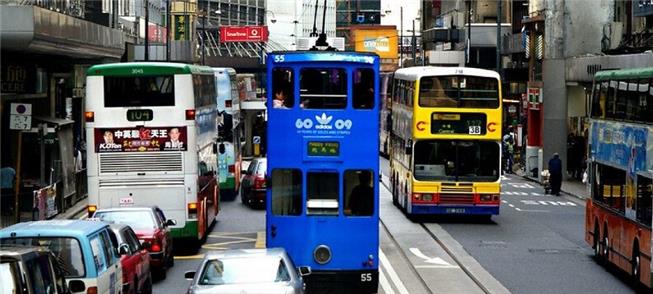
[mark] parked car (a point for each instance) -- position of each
(151, 227)
(29, 270)
(134, 259)
(252, 186)
(249, 271)
(85, 251)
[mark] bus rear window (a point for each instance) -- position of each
(139, 91)
(459, 91)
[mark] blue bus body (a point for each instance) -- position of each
(321, 149)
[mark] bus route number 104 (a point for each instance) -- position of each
(366, 277)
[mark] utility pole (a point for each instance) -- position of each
(401, 36)
(499, 14)
(413, 42)
(469, 32)
(203, 36)
(147, 30)
(167, 30)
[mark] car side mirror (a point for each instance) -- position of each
(123, 249)
(304, 271)
(171, 222)
(76, 286)
(146, 245)
(189, 275)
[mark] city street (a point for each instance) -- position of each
(535, 245)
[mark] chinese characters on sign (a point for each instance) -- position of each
(140, 139)
(181, 27)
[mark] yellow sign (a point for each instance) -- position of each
(380, 41)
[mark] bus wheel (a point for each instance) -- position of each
(596, 244)
(636, 265)
(605, 248)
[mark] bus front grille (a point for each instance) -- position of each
(456, 198)
(140, 162)
(456, 189)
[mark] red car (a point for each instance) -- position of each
(252, 186)
(151, 227)
(134, 259)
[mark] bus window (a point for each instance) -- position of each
(282, 88)
(322, 193)
(359, 192)
(139, 91)
(610, 186)
(438, 160)
(596, 105)
(479, 92)
(610, 104)
(632, 101)
(644, 193)
(363, 89)
(438, 92)
(323, 88)
(647, 103)
(286, 192)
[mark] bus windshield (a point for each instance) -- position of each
(139, 91)
(453, 160)
(459, 91)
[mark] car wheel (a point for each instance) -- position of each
(134, 287)
(147, 286)
(596, 244)
(171, 260)
(242, 195)
(605, 248)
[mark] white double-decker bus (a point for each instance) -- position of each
(151, 130)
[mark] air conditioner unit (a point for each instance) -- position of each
(306, 43)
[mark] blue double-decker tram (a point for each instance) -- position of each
(323, 146)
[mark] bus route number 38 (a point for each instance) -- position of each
(474, 130)
(367, 277)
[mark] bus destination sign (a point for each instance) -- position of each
(140, 139)
(458, 123)
(323, 148)
(139, 115)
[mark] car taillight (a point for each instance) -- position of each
(89, 116)
(232, 168)
(190, 114)
(489, 197)
(424, 197)
(259, 183)
(91, 290)
(192, 210)
(155, 247)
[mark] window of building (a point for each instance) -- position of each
(322, 191)
(323, 88)
(363, 96)
(644, 194)
(359, 192)
(282, 88)
(286, 192)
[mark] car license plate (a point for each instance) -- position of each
(126, 201)
(455, 210)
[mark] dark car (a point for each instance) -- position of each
(30, 270)
(252, 186)
(151, 227)
(134, 259)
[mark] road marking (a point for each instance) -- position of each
(384, 283)
(530, 210)
(548, 202)
(522, 185)
(391, 272)
(511, 205)
(198, 256)
(437, 266)
(214, 246)
(436, 261)
(260, 240)
(504, 201)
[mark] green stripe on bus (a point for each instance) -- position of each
(229, 184)
(634, 73)
(146, 69)
(188, 231)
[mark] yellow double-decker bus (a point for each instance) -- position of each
(446, 141)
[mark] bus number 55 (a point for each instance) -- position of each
(366, 277)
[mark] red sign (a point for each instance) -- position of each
(156, 33)
(244, 34)
(140, 139)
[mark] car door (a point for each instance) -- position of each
(248, 180)
(138, 254)
(109, 279)
(129, 261)
(163, 231)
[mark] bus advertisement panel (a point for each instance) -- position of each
(229, 137)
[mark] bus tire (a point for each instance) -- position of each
(636, 264)
(605, 247)
(596, 243)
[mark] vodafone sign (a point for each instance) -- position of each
(244, 34)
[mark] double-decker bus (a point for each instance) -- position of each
(152, 130)
(385, 111)
(446, 141)
(229, 137)
(323, 147)
(618, 214)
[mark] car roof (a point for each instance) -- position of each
(249, 253)
(53, 228)
(129, 208)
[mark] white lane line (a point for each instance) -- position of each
(517, 208)
(391, 272)
(511, 205)
(504, 201)
(384, 283)
(437, 266)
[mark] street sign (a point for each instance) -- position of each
(244, 34)
(20, 117)
(256, 139)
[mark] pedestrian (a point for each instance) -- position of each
(555, 170)
(509, 148)
(7, 179)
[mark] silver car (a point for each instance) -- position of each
(248, 271)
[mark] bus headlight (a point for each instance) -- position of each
(322, 254)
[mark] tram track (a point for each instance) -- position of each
(464, 266)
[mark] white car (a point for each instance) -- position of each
(248, 271)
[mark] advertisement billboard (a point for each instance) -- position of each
(244, 34)
(382, 41)
(140, 139)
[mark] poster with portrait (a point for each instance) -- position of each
(140, 139)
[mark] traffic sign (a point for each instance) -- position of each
(20, 117)
(256, 139)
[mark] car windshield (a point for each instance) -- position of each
(136, 219)
(244, 271)
(67, 252)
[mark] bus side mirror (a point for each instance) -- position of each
(221, 148)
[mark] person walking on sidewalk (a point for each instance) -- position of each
(555, 171)
(509, 144)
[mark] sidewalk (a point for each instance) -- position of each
(74, 210)
(573, 188)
